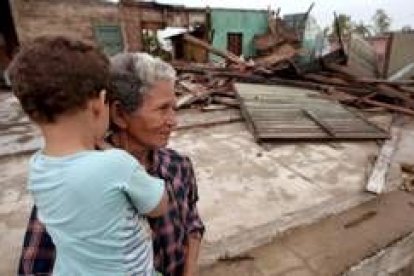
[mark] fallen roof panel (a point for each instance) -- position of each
(281, 112)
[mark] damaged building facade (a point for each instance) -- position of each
(115, 27)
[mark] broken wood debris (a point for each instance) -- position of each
(336, 75)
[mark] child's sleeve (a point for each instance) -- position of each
(144, 191)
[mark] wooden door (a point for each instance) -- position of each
(235, 43)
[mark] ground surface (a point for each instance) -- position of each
(249, 194)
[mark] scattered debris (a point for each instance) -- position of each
(408, 184)
(407, 168)
(408, 178)
(238, 258)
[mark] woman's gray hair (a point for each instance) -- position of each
(133, 74)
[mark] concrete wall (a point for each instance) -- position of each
(67, 17)
(247, 22)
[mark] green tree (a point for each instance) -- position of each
(381, 21)
(344, 23)
(407, 29)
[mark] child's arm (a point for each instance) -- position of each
(161, 208)
(146, 193)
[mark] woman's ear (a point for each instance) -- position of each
(117, 115)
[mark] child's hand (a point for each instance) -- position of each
(103, 145)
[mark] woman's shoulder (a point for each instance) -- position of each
(169, 157)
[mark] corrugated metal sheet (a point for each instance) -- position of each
(280, 112)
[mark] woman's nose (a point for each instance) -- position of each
(172, 119)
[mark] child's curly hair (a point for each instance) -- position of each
(57, 75)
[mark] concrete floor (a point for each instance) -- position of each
(249, 194)
(17, 134)
(335, 244)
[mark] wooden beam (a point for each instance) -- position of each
(185, 100)
(383, 89)
(377, 179)
(389, 82)
(347, 98)
(282, 53)
(224, 54)
(226, 101)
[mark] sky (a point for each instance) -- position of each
(400, 11)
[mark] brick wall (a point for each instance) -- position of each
(131, 22)
(67, 17)
(77, 18)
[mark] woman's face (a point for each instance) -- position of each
(151, 125)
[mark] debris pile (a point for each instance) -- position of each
(334, 79)
(345, 72)
(205, 92)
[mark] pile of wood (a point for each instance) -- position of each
(279, 46)
(212, 88)
(205, 92)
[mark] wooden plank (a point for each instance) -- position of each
(224, 54)
(344, 97)
(377, 179)
(382, 89)
(282, 53)
(320, 122)
(231, 102)
(185, 100)
(389, 82)
(206, 119)
(214, 107)
(210, 123)
(249, 121)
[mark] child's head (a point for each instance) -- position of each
(56, 77)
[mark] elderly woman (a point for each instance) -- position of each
(142, 119)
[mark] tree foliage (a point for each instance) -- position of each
(381, 22)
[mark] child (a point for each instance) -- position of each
(91, 202)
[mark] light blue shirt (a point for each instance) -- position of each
(92, 204)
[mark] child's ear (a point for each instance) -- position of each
(102, 97)
(98, 104)
(117, 115)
